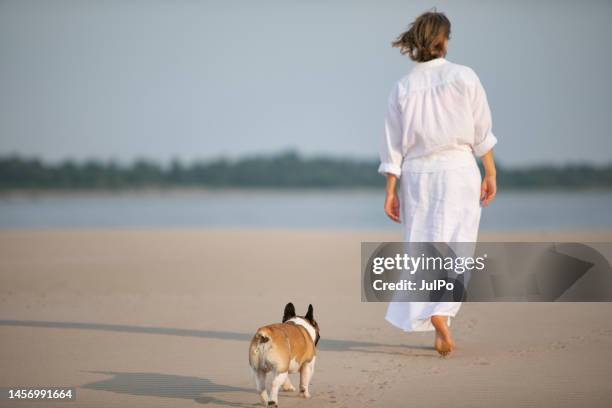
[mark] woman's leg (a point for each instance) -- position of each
(444, 343)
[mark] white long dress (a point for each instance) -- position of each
(437, 119)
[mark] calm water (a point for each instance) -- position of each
(296, 209)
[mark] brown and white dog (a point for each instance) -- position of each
(283, 348)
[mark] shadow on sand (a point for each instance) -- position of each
(194, 388)
(166, 386)
(324, 344)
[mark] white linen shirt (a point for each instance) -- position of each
(438, 107)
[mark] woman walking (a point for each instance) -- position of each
(437, 119)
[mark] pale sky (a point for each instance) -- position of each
(201, 79)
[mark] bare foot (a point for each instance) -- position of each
(443, 343)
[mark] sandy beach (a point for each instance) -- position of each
(158, 318)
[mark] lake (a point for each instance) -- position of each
(311, 209)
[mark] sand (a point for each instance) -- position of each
(155, 318)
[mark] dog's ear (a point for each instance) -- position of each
(310, 313)
(289, 312)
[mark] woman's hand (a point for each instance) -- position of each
(392, 204)
(488, 189)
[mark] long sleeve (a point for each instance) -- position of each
(391, 155)
(484, 139)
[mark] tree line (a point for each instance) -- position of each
(282, 170)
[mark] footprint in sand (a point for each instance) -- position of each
(331, 397)
(434, 370)
(557, 345)
(522, 353)
(578, 338)
(481, 361)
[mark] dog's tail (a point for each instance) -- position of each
(257, 351)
